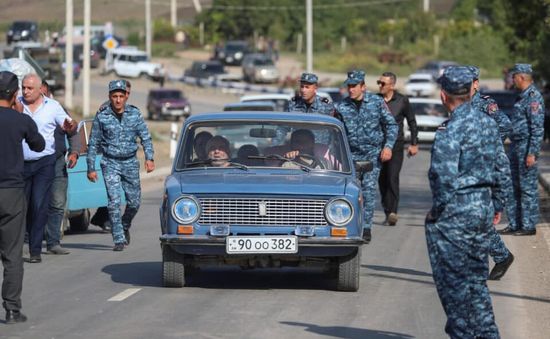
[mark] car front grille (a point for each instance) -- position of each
(262, 212)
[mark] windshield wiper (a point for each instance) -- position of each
(210, 161)
(281, 158)
(238, 165)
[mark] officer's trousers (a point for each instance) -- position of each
(458, 249)
(121, 175)
(368, 188)
(497, 248)
(13, 210)
(523, 204)
(388, 182)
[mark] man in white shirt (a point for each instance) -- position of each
(39, 168)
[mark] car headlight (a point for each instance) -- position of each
(238, 55)
(338, 212)
(186, 210)
(24, 33)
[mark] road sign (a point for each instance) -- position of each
(110, 43)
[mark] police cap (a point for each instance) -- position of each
(355, 77)
(117, 85)
(521, 68)
(309, 78)
(456, 80)
(8, 82)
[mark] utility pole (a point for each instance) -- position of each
(148, 31)
(173, 13)
(197, 5)
(309, 36)
(69, 54)
(426, 6)
(86, 61)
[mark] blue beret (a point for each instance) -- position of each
(310, 78)
(475, 71)
(521, 68)
(117, 85)
(355, 77)
(456, 80)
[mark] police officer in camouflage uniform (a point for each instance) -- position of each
(527, 119)
(468, 173)
(372, 132)
(308, 101)
(114, 131)
(484, 103)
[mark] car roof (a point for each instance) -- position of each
(265, 116)
(269, 96)
(209, 62)
(128, 50)
(417, 100)
(421, 76)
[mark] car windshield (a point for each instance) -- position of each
(167, 95)
(417, 80)
(430, 109)
(320, 147)
(235, 47)
(21, 25)
(263, 62)
(214, 68)
(138, 58)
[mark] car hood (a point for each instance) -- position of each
(249, 182)
(427, 120)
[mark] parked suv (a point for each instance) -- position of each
(130, 62)
(163, 102)
(255, 208)
(22, 31)
(259, 68)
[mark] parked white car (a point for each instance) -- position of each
(130, 62)
(279, 99)
(420, 85)
(430, 114)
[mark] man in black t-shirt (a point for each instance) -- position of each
(14, 128)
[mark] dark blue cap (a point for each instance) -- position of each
(355, 77)
(310, 78)
(521, 68)
(117, 85)
(456, 80)
(8, 82)
(475, 71)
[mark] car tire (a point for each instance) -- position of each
(80, 222)
(348, 268)
(173, 270)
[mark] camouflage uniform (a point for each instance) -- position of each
(484, 103)
(463, 209)
(117, 139)
(370, 126)
(528, 128)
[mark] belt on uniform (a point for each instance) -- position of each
(119, 157)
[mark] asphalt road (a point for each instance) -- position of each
(97, 293)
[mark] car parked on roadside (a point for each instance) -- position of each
(211, 69)
(167, 103)
(259, 68)
(420, 85)
(128, 61)
(430, 114)
(22, 31)
(259, 209)
(435, 68)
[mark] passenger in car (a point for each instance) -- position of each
(245, 151)
(218, 151)
(199, 145)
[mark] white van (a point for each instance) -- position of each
(130, 62)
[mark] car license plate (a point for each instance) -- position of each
(261, 244)
(176, 112)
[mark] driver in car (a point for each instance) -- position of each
(219, 151)
(302, 144)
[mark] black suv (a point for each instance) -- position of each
(22, 31)
(233, 52)
(205, 69)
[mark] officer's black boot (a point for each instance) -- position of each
(500, 268)
(13, 317)
(367, 236)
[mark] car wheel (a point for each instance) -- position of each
(348, 272)
(80, 222)
(173, 270)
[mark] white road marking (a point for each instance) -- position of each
(125, 294)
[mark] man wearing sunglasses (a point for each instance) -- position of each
(388, 182)
(371, 131)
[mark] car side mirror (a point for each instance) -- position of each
(363, 166)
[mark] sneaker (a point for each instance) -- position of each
(34, 259)
(500, 268)
(118, 247)
(127, 235)
(13, 317)
(57, 249)
(367, 235)
(392, 219)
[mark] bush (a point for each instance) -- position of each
(163, 49)
(163, 30)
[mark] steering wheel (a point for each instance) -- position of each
(316, 162)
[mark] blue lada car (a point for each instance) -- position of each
(262, 189)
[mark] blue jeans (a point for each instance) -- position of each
(56, 210)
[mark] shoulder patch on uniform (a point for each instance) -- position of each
(535, 107)
(492, 108)
(532, 93)
(325, 100)
(483, 96)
